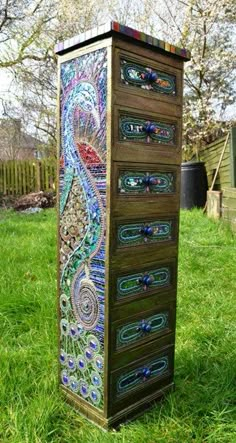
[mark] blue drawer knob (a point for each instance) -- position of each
(146, 373)
(148, 180)
(146, 230)
(146, 280)
(145, 327)
(150, 76)
(149, 128)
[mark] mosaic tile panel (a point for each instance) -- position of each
(82, 224)
(144, 77)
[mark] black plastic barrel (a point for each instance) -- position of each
(193, 185)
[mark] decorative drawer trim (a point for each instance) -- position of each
(153, 369)
(146, 182)
(143, 282)
(140, 129)
(137, 330)
(145, 77)
(140, 233)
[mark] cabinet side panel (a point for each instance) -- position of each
(82, 206)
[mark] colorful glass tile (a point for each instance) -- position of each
(114, 26)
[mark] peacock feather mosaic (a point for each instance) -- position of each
(82, 224)
(144, 77)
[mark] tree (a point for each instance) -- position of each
(206, 28)
(30, 29)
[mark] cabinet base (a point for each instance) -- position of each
(127, 414)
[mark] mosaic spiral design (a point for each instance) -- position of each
(82, 224)
(86, 305)
(133, 128)
(138, 75)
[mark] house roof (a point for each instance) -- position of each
(13, 128)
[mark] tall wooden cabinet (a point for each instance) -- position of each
(120, 119)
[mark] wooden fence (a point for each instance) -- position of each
(229, 206)
(24, 176)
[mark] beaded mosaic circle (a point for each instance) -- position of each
(85, 303)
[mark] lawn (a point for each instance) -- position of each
(203, 407)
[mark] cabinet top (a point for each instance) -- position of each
(115, 28)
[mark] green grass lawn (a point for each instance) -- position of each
(203, 407)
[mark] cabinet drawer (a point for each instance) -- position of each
(142, 75)
(143, 239)
(141, 282)
(144, 129)
(144, 232)
(145, 134)
(145, 189)
(143, 181)
(143, 377)
(143, 328)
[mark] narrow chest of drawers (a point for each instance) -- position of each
(120, 129)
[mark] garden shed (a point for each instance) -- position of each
(226, 177)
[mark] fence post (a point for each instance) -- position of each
(37, 175)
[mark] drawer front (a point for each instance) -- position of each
(131, 379)
(134, 332)
(142, 375)
(144, 327)
(143, 282)
(144, 190)
(145, 232)
(146, 182)
(142, 75)
(147, 130)
(153, 78)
